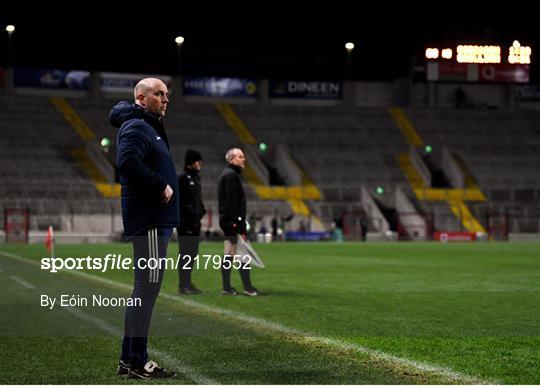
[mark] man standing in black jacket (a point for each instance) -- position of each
(232, 219)
(149, 213)
(191, 212)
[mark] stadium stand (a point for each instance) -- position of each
(39, 172)
(342, 149)
(501, 149)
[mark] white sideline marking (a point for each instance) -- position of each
(22, 282)
(332, 342)
(280, 328)
(169, 359)
(166, 357)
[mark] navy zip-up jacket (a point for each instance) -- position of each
(146, 167)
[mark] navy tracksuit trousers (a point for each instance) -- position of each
(148, 247)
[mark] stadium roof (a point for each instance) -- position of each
(257, 39)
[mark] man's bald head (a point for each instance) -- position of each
(235, 157)
(145, 85)
(152, 94)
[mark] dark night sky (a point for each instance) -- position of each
(256, 39)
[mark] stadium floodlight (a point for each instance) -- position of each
(379, 190)
(428, 149)
(263, 146)
(179, 40)
(349, 47)
(10, 28)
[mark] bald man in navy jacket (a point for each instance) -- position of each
(149, 213)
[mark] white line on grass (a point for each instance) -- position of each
(280, 328)
(22, 282)
(167, 358)
(331, 342)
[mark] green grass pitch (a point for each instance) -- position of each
(352, 313)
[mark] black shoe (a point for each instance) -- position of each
(194, 290)
(123, 368)
(229, 291)
(251, 292)
(151, 370)
(189, 291)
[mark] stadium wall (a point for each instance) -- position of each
(401, 92)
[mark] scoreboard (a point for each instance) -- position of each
(479, 63)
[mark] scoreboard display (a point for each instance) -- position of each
(479, 63)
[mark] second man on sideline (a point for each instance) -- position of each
(232, 219)
(191, 212)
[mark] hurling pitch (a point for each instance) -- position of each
(331, 313)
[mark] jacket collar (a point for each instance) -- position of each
(191, 171)
(236, 169)
(154, 121)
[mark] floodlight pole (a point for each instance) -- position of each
(348, 87)
(349, 47)
(179, 40)
(10, 73)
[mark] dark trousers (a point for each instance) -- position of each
(230, 249)
(188, 248)
(148, 248)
